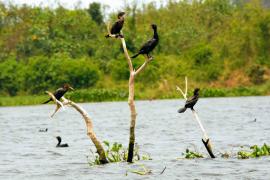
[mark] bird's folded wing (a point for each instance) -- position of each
(148, 45)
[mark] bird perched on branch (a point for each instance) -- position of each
(191, 101)
(60, 92)
(117, 26)
(59, 142)
(149, 45)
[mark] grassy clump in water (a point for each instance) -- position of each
(255, 152)
(117, 153)
(191, 154)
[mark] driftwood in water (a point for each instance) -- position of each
(205, 139)
(88, 122)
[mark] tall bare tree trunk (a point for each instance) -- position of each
(131, 103)
(133, 116)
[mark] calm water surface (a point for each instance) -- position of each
(26, 153)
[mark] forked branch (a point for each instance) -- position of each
(88, 122)
(131, 103)
(179, 89)
(206, 140)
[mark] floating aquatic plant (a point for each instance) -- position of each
(141, 171)
(192, 154)
(255, 152)
(117, 153)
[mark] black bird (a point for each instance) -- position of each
(59, 142)
(150, 44)
(117, 26)
(43, 130)
(191, 101)
(60, 92)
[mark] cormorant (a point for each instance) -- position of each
(59, 142)
(149, 45)
(191, 101)
(60, 92)
(117, 26)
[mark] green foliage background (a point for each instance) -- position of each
(223, 47)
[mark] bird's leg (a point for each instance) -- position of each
(120, 36)
(150, 57)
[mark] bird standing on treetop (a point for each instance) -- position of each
(60, 92)
(117, 26)
(191, 101)
(149, 45)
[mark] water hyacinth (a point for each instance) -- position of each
(117, 153)
(255, 153)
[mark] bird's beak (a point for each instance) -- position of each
(71, 88)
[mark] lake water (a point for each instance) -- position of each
(26, 153)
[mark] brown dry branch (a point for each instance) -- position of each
(88, 122)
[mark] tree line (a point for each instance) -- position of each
(219, 43)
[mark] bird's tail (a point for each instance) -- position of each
(107, 36)
(46, 101)
(134, 56)
(181, 110)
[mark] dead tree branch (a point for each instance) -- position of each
(133, 74)
(205, 139)
(88, 122)
(131, 103)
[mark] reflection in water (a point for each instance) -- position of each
(26, 153)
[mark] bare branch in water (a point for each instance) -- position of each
(206, 140)
(88, 122)
(131, 103)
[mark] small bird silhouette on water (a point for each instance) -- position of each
(149, 45)
(117, 26)
(59, 142)
(60, 92)
(43, 130)
(191, 101)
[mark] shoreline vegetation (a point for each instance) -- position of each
(222, 46)
(111, 95)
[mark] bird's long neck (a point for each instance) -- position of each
(59, 141)
(155, 34)
(65, 90)
(121, 20)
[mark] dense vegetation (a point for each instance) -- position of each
(220, 45)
